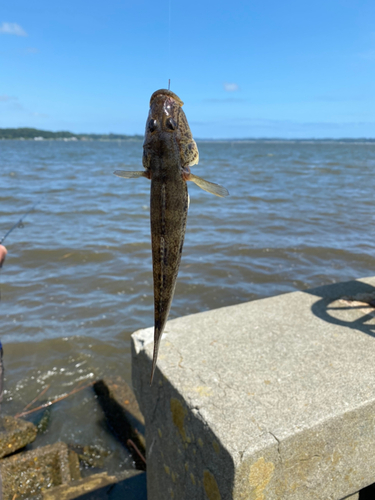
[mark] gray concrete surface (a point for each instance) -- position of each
(268, 400)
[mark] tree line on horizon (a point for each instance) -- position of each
(32, 133)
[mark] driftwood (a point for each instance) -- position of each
(49, 403)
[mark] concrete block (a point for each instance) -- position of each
(123, 414)
(75, 471)
(352, 497)
(30, 473)
(271, 399)
(98, 487)
(15, 433)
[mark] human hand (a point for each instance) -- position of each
(3, 253)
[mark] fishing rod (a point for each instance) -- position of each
(18, 223)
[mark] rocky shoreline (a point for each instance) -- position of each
(54, 472)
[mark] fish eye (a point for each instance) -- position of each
(171, 124)
(152, 125)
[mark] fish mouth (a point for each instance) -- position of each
(167, 93)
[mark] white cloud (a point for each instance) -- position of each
(12, 29)
(6, 98)
(231, 87)
(39, 115)
(12, 106)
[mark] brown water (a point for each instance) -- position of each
(77, 281)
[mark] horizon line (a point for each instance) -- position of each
(140, 136)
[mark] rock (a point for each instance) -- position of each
(15, 433)
(272, 399)
(44, 420)
(123, 414)
(92, 456)
(130, 485)
(30, 473)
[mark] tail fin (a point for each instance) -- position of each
(155, 355)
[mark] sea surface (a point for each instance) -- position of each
(78, 280)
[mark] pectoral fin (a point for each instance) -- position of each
(210, 187)
(131, 175)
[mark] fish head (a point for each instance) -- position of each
(167, 129)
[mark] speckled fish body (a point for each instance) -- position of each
(168, 151)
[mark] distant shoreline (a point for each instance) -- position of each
(290, 141)
(34, 134)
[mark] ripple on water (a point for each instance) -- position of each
(78, 281)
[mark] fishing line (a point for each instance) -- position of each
(169, 39)
(19, 223)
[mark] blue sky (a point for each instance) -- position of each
(244, 69)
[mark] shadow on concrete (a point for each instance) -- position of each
(325, 308)
(191, 467)
(367, 493)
